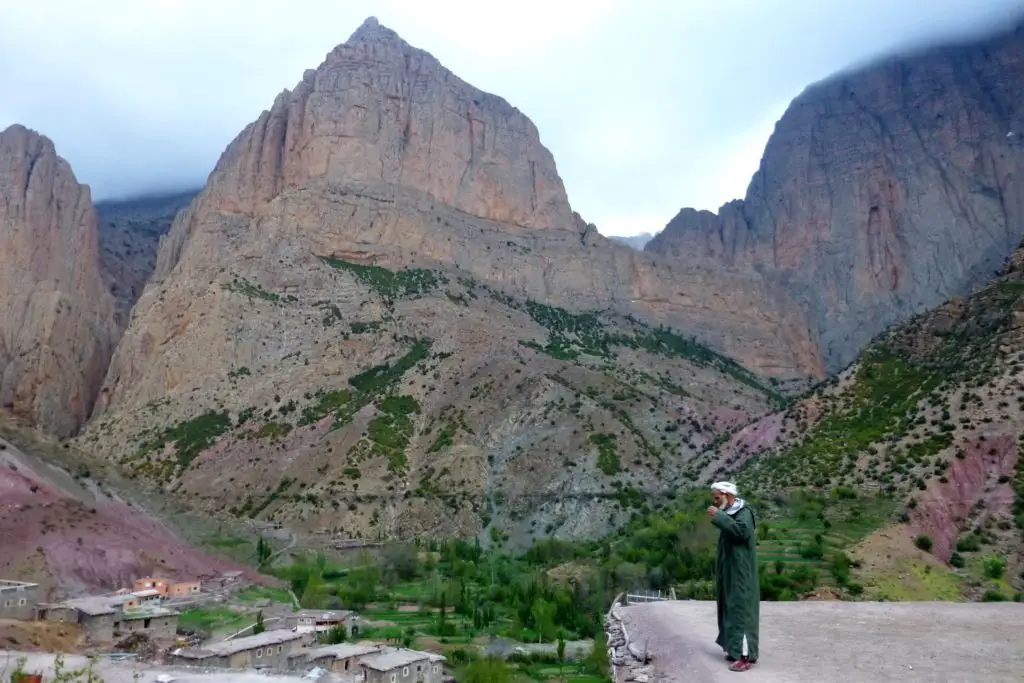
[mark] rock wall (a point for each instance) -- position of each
(57, 330)
(881, 193)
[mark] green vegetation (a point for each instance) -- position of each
(389, 433)
(607, 453)
(190, 438)
(253, 291)
(882, 405)
(572, 334)
(390, 284)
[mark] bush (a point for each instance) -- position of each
(969, 543)
(924, 542)
(956, 560)
(994, 567)
(993, 595)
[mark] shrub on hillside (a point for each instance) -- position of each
(924, 542)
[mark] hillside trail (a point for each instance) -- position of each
(838, 642)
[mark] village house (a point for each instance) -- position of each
(339, 659)
(400, 665)
(108, 618)
(321, 621)
(166, 588)
(18, 599)
(267, 650)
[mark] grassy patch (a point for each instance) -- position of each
(254, 291)
(882, 404)
(389, 433)
(190, 438)
(390, 284)
(607, 453)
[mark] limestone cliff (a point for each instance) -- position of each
(130, 232)
(882, 192)
(381, 316)
(56, 318)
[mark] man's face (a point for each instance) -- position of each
(721, 500)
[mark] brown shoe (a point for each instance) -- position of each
(741, 664)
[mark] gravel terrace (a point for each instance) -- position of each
(839, 641)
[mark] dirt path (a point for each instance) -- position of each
(840, 641)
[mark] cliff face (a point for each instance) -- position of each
(881, 193)
(56, 318)
(381, 315)
(130, 232)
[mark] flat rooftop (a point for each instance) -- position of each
(230, 647)
(838, 641)
(342, 651)
(7, 585)
(386, 661)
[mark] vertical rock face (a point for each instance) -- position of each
(380, 112)
(882, 192)
(383, 155)
(56, 319)
(130, 232)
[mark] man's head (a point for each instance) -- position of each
(723, 493)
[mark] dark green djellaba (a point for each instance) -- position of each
(737, 589)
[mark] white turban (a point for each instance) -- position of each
(725, 487)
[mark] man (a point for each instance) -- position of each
(737, 590)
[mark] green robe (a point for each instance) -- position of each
(737, 590)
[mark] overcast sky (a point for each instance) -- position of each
(647, 105)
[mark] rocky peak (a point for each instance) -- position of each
(56, 318)
(379, 114)
(882, 191)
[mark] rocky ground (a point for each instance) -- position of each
(63, 529)
(127, 672)
(836, 641)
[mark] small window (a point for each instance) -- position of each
(7, 603)
(22, 601)
(436, 667)
(405, 672)
(259, 652)
(394, 677)
(280, 648)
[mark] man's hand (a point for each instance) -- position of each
(712, 511)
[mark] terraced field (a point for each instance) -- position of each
(817, 539)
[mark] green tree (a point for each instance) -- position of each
(335, 635)
(596, 662)
(259, 627)
(490, 670)
(263, 551)
(561, 654)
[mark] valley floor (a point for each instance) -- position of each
(839, 641)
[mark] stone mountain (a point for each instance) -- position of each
(882, 192)
(57, 328)
(381, 317)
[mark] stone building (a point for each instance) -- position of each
(18, 599)
(166, 588)
(267, 650)
(107, 619)
(399, 665)
(341, 659)
(321, 621)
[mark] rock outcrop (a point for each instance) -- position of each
(56, 318)
(881, 193)
(381, 315)
(130, 232)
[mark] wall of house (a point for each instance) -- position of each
(99, 628)
(182, 590)
(157, 628)
(269, 656)
(18, 602)
(408, 674)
